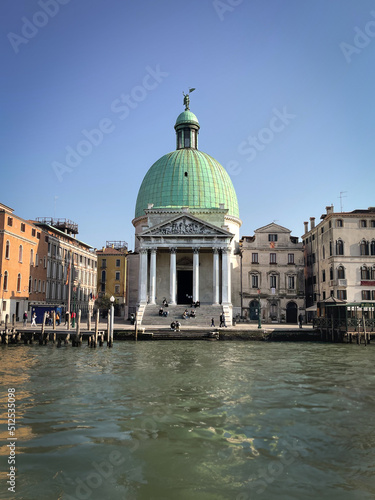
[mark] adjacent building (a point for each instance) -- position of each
(272, 275)
(23, 268)
(112, 272)
(340, 257)
(71, 266)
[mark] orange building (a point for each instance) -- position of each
(23, 266)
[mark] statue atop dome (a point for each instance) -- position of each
(187, 99)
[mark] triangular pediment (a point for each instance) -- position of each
(185, 225)
(272, 228)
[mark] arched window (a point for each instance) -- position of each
(330, 248)
(365, 273)
(372, 247)
(35, 285)
(341, 273)
(31, 257)
(5, 282)
(331, 273)
(19, 282)
(20, 253)
(103, 276)
(373, 273)
(324, 252)
(30, 284)
(364, 247)
(7, 249)
(339, 247)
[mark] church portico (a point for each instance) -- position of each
(184, 268)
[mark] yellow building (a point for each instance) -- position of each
(112, 273)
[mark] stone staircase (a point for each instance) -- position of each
(204, 313)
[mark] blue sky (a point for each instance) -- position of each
(284, 96)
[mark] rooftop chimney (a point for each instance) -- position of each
(312, 222)
(329, 210)
(306, 224)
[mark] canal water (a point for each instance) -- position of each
(191, 421)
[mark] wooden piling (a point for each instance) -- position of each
(96, 326)
(108, 327)
(78, 339)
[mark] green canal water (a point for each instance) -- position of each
(190, 421)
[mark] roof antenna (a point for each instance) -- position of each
(342, 195)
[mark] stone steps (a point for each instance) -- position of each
(204, 313)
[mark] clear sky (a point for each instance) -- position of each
(284, 96)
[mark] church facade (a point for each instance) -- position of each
(186, 229)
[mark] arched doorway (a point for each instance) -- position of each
(291, 312)
(254, 310)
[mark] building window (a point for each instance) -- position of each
(39, 286)
(339, 223)
(291, 283)
(104, 263)
(19, 282)
(322, 230)
(20, 253)
(5, 281)
(254, 281)
(117, 276)
(272, 258)
(339, 247)
(365, 273)
(23, 227)
(366, 294)
(36, 260)
(290, 258)
(35, 285)
(341, 294)
(104, 276)
(272, 237)
(7, 249)
(363, 223)
(38, 236)
(254, 258)
(372, 223)
(10, 221)
(102, 288)
(273, 281)
(118, 263)
(44, 262)
(331, 273)
(30, 284)
(323, 276)
(31, 257)
(364, 247)
(324, 252)
(330, 248)
(324, 295)
(372, 247)
(33, 232)
(341, 273)
(117, 288)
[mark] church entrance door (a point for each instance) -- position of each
(184, 287)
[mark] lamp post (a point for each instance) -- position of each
(112, 299)
(74, 306)
(259, 311)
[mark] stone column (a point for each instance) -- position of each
(225, 280)
(173, 276)
(216, 276)
(152, 277)
(195, 274)
(142, 283)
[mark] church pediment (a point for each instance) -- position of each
(185, 225)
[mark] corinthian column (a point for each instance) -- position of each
(216, 276)
(152, 276)
(225, 277)
(172, 276)
(196, 274)
(142, 283)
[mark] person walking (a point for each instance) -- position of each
(300, 319)
(24, 318)
(213, 322)
(33, 320)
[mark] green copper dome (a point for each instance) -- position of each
(187, 178)
(187, 117)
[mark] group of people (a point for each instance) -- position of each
(175, 325)
(163, 313)
(186, 314)
(222, 321)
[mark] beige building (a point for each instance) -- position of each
(340, 257)
(112, 273)
(272, 273)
